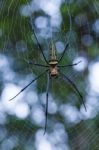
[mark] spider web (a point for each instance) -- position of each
(22, 120)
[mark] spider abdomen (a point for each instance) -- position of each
(53, 68)
(53, 71)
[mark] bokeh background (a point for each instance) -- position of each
(22, 120)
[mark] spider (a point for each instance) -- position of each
(53, 70)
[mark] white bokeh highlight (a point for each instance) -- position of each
(96, 26)
(94, 76)
(82, 65)
(70, 113)
(37, 115)
(39, 20)
(22, 110)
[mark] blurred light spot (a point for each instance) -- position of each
(59, 142)
(4, 63)
(59, 134)
(70, 113)
(56, 20)
(60, 47)
(8, 144)
(34, 4)
(44, 145)
(2, 117)
(39, 135)
(25, 10)
(1, 106)
(5, 67)
(96, 26)
(82, 65)
(41, 142)
(32, 97)
(87, 40)
(50, 6)
(41, 22)
(22, 110)
(21, 46)
(8, 76)
(38, 115)
(92, 100)
(46, 33)
(52, 107)
(81, 19)
(92, 103)
(3, 133)
(10, 91)
(89, 114)
(94, 76)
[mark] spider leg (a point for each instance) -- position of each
(35, 64)
(70, 23)
(47, 93)
(40, 48)
(69, 65)
(27, 86)
(66, 46)
(74, 86)
(38, 64)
